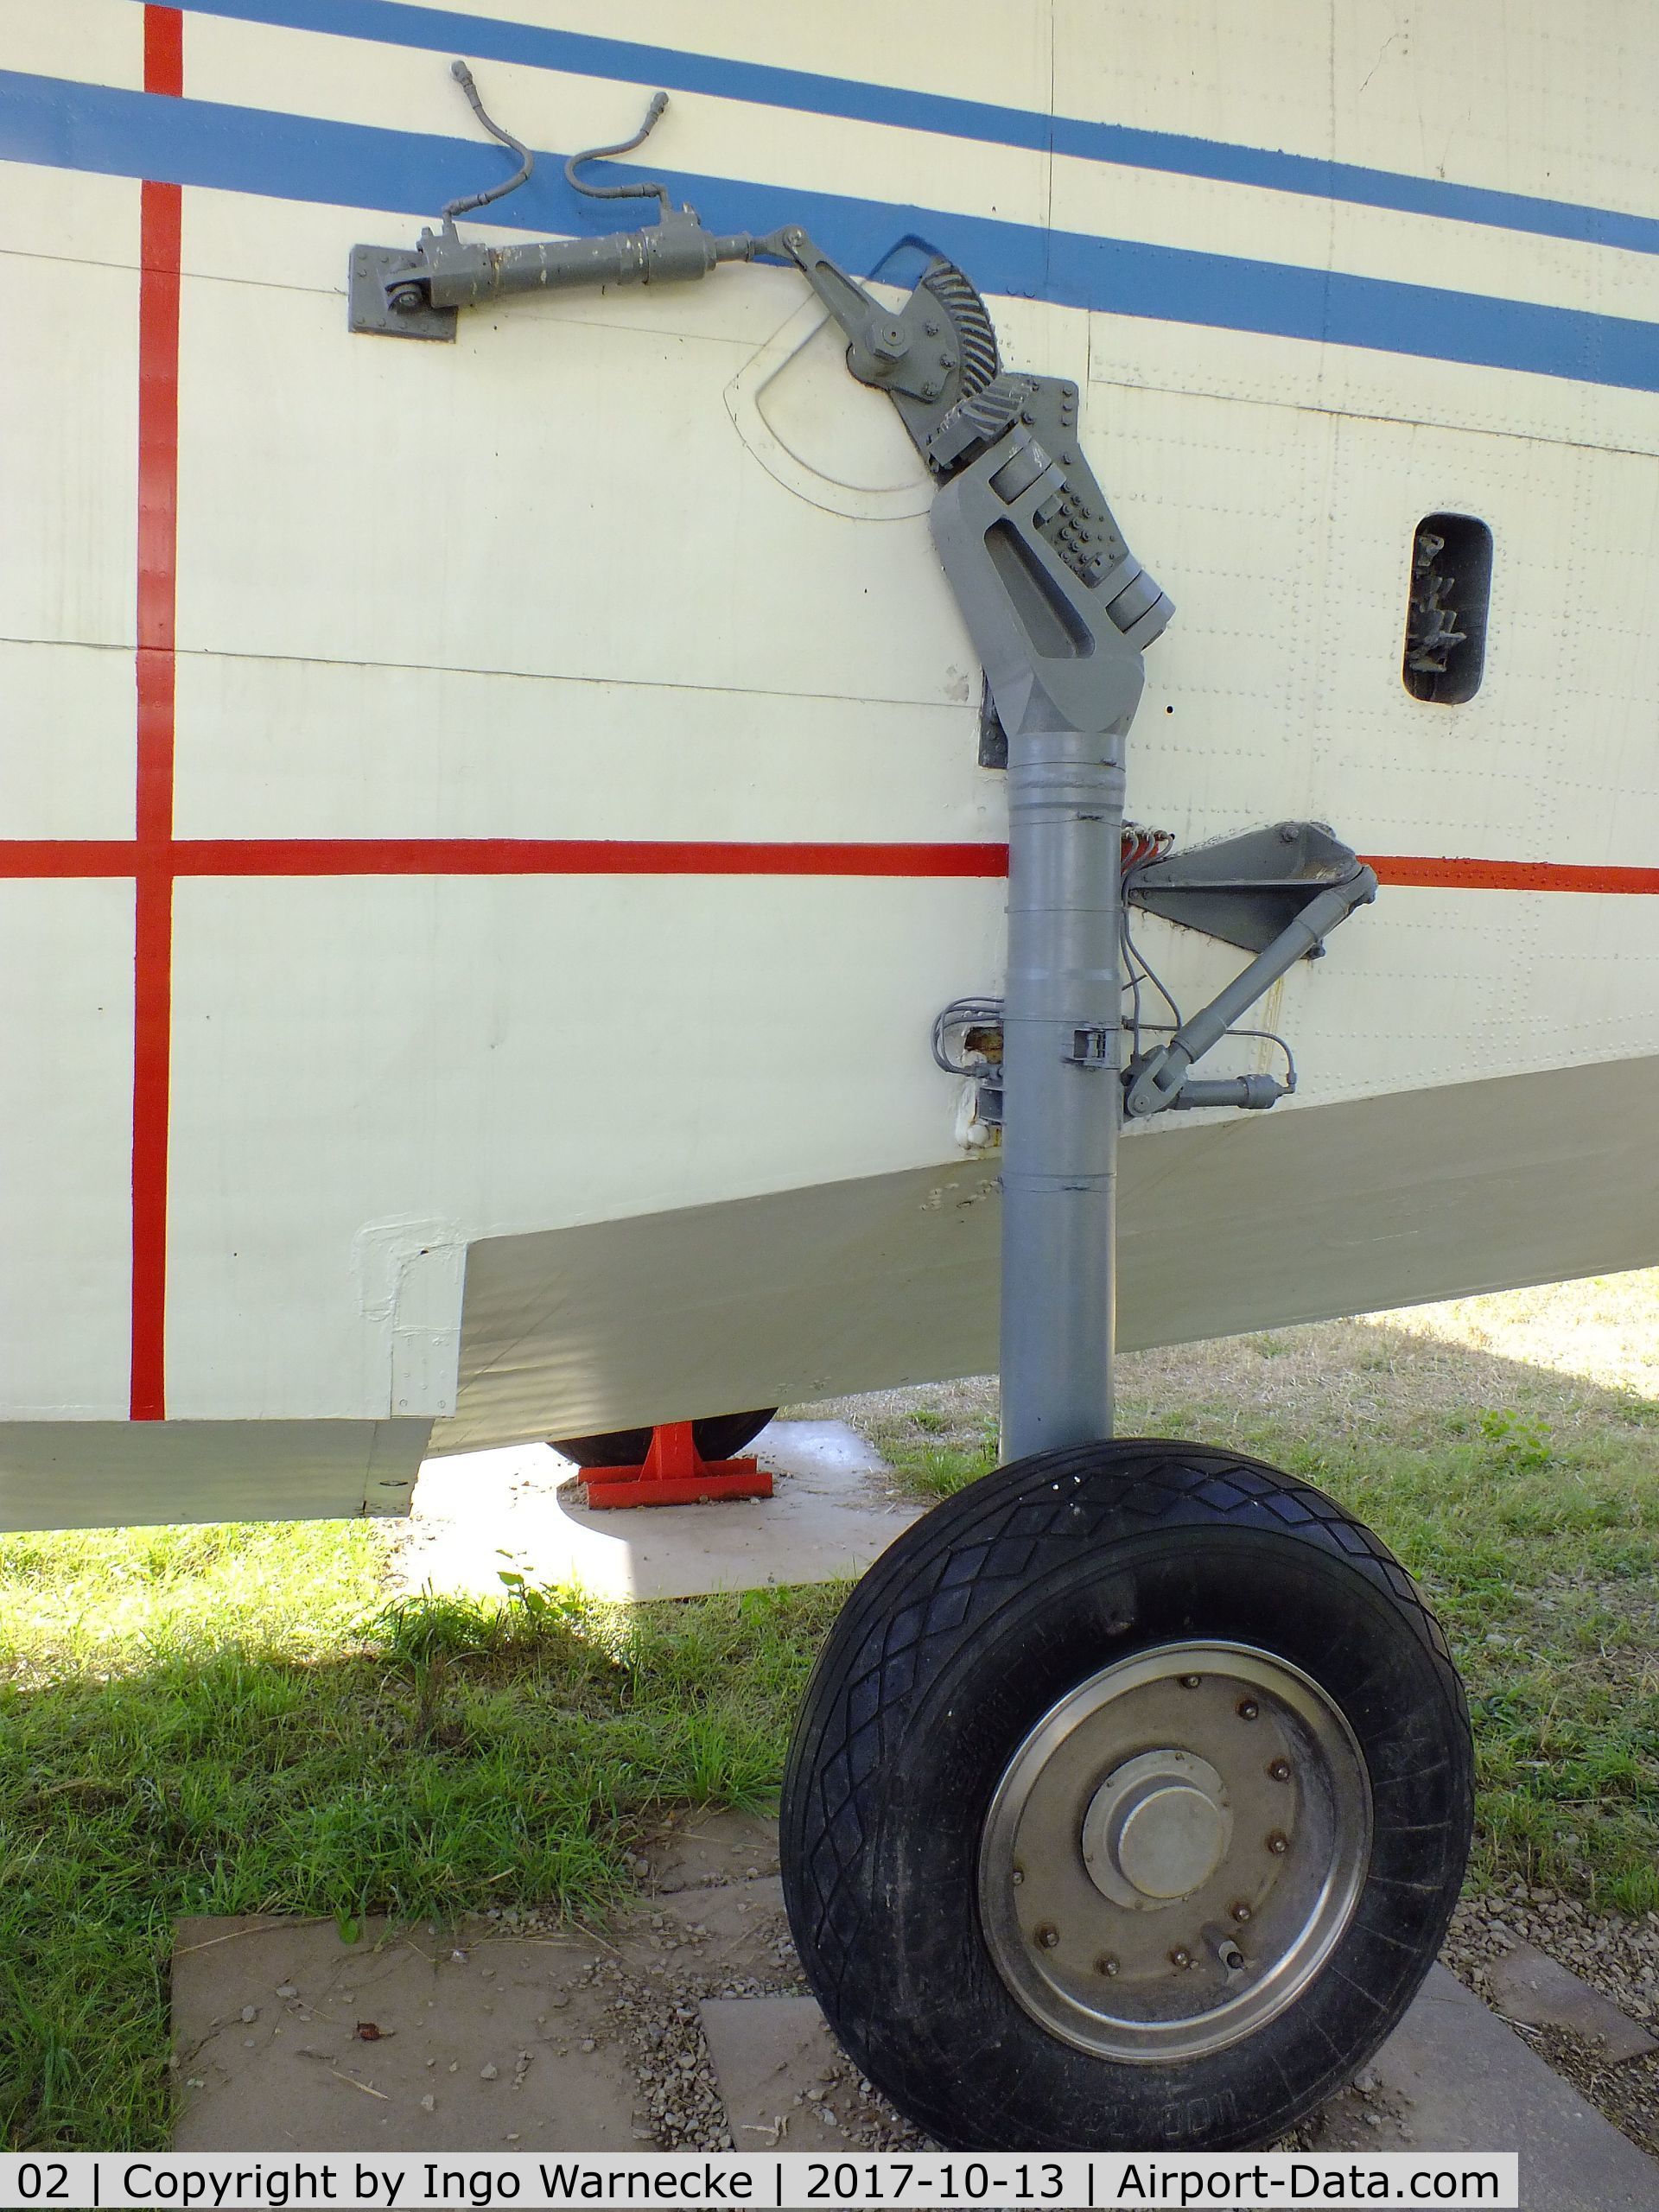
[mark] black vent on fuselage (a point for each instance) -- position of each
(1445, 612)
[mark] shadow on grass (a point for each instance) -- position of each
(425, 1758)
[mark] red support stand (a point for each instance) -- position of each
(673, 1475)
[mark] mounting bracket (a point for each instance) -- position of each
(1278, 891)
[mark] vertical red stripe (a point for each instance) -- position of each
(157, 545)
(164, 51)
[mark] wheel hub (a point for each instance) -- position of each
(1173, 1851)
(1156, 1829)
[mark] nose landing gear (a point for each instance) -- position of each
(1128, 1807)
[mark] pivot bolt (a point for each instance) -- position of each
(404, 299)
(1247, 1708)
(1180, 1958)
(1106, 1966)
(1280, 1770)
(1241, 1911)
(1191, 1681)
(1048, 1935)
(1278, 1843)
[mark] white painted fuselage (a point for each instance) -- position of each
(486, 829)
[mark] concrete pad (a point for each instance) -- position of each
(735, 1935)
(494, 2044)
(1454, 2077)
(777, 2063)
(785, 2084)
(476, 1513)
(480, 2044)
(1529, 1985)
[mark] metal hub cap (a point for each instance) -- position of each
(1173, 1852)
(1156, 1829)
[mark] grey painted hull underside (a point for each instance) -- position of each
(1252, 1222)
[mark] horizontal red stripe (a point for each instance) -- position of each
(1417, 870)
(570, 856)
(37, 857)
(333, 856)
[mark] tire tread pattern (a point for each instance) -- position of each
(953, 1568)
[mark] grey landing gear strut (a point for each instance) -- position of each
(1132, 1793)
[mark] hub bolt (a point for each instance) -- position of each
(1048, 1935)
(1278, 1843)
(1018, 1876)
(1247, 1708)
(1280, 1770)
(1241, 1911)
(1178, 1958)
(1191, 1681)
(1106, 1966)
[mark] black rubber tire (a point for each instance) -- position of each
(717, 1436)
(976, 1621)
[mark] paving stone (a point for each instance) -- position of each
(778, 2066)
(736, 1933)
(1454, 2077)
(456, 2019)
(1529, 1985)
(478, 2028)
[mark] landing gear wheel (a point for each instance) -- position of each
(717, 1436)
(1128, 1805)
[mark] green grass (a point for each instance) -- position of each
(229, 1720)
(1538, 1551)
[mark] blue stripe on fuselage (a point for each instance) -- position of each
(71, 125)
(447, 30)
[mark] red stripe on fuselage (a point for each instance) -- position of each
(73, 858)
(1421, 872)
(159, 220)
(322, 856)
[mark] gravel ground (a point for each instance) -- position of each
(1628, 2094)
(654, 2005)
(654, 2014)
(657, 2016)
(1619, 1957)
